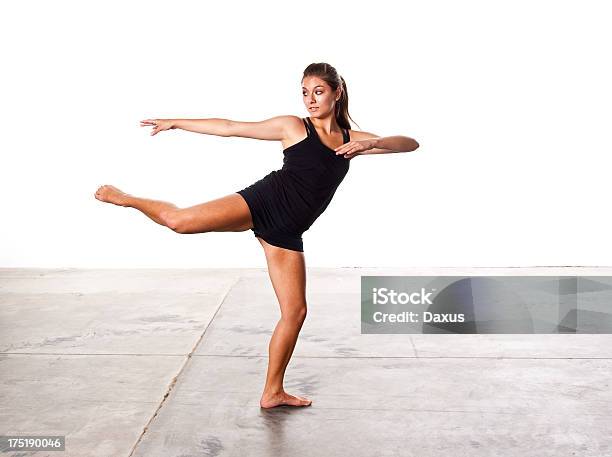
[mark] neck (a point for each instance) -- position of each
(327, 124)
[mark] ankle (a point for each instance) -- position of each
(271, 391)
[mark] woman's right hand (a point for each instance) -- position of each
(158, 124)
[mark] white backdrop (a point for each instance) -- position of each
(509, 101)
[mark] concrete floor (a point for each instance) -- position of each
(172, 363)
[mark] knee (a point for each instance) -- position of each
(295, 316)
(173, 220)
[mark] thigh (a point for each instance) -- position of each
(287, 270)
(226, 214)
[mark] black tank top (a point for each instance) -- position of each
(314, 172)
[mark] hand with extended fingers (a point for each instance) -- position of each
(158, 124)
(355, 147)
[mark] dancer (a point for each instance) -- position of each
(281, 206)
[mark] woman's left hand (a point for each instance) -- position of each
(353, 148)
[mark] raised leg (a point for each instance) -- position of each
(287, 271)
(226, 214)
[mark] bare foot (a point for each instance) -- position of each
(283, 398)
(111, 194)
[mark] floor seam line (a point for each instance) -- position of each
(183, 366)
(304, 356)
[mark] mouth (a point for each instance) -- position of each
(313, 108)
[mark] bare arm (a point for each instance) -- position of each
(211, 126)
(270, 129)
(388, 144)
(375, 144)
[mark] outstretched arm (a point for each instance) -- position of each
(387, 144)
(270, 129)
(210, 126)
(369, 143)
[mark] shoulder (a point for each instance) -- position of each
(274, 128)
(295, 130)
(288, 118)
(292, 125)
(293, 121)
(361, 135)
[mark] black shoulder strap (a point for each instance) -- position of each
(307, 126)
(310, 130)
(345, 134)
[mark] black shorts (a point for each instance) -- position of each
(270, 213)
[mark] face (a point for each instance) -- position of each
(317, 94)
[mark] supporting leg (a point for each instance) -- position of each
(287, 271)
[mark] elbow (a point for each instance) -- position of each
(414, 144)
(228, 128)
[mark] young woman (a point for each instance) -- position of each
(280, 207)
